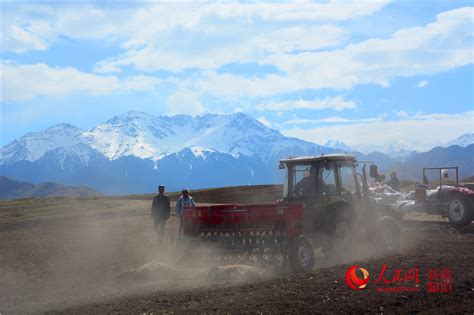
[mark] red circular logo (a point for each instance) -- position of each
(354, 281)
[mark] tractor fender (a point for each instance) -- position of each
(460, 194)
(337, 210)
(341, 209)
(468, 198)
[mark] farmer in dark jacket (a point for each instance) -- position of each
(160, 211)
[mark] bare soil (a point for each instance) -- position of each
(76, 256)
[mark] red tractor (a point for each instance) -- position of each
(452, 200)
(326, 205)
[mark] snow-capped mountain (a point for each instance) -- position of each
(149, 137)
(145, 136)
(134, 151)
(462, 141)
(338, 144)
(407, 148)
(33, 146)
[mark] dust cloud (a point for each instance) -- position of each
(75, 252)
(79, 251)
(72, 252)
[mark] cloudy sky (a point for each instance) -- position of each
(385, 73)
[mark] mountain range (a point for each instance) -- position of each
(12, 189)
(134, 152)
(394, 151)
(144, 136)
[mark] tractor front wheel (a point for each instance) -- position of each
(301, 255)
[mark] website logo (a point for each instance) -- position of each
(357, 282)
(400, 280)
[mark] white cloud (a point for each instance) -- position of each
(439, 46)
(420, 132)
(400, 113)
(294, 48)
(142, 23)
(20, 39)
(37, 26)
(153, 56)
(332, 10)
(331, 102)
(184, 102)
(26, 82)
(297, 38)
(106, 66)
(330, 120)
(233, 86)
(265, 122)
(422, 84)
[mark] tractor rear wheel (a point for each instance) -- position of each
(458, 212)
(301, 255)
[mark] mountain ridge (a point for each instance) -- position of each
(152, 137)
(133, 152)
(130, 153)
(463, 140)
(13, 189)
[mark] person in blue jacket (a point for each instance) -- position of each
(184, 201)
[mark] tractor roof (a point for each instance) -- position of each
(317, 158)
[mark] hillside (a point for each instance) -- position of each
(12, 189)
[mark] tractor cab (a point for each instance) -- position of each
(322, 176)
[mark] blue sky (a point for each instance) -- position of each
(380, 73)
